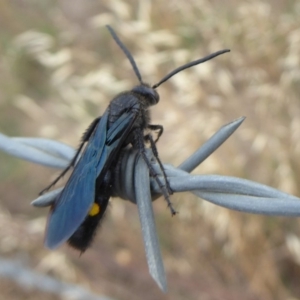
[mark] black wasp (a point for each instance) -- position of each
(77, 211)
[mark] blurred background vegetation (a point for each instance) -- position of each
(60, 67)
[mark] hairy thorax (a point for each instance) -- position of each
(133, 104)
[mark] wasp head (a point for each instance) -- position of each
(147, 92)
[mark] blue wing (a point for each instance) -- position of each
(74, 203)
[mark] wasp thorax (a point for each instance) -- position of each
(148, 92)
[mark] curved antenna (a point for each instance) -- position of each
(127, 53)
(191, 64)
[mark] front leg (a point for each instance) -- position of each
(158, 128)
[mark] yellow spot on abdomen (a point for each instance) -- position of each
(94, 210)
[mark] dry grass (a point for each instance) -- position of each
(59, 70)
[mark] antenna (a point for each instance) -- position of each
(174, 72)
(127, 53)
(188, 65)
